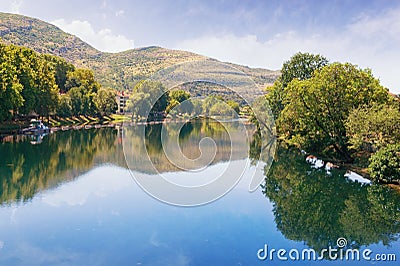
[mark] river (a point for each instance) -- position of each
(69, 199)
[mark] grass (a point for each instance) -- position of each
(118, 118)
(11, 127)
(86, 120)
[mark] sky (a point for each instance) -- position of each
(255, 33)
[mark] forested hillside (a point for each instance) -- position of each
(117, 70)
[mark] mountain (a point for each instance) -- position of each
(117, 70)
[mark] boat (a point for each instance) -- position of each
(37, 138)
(36, 127)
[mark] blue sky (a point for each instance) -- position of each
(254, 33)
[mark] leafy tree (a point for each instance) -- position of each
(208, 104)
(61, 69)
(301, 66)
(371, 128)
(139, 104)
(77, 99)
(148, 98)
(47, 89)
(26, 62)
(385, 164)
(85, 87)
(31, 82)
(82, 78)
(179, 97)
(36, 76)
(197, 106)
(234, 105)
(317, 109)
(221, 109)
(105, 101)
(10, 88)
(64, 108)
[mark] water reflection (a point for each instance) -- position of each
(317, 208)
(26, 169)
(98, 215)
(148, 155)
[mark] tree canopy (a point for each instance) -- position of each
(35, 83)
(148, 98)
(385, 164)
(374, 127)
(179, 99)
(316, 109)
(301, 66)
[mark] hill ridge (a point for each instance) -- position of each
(119, 70)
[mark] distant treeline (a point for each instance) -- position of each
(42, 84)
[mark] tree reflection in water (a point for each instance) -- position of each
(26, 169)
(318, 208)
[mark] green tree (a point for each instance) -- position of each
(10, 88)
(64, 108)
(179, 97)
(77, 100)
(82, 78)
(85, 87)
(47, 89)
(148, 99)
(61, 69)
(105, 101)
(301, 66)
(221, 109)
(385, 164)
(371, 128)
(36, 75)
(234, 105)
(26, 62)
(139, 104)
(197, 106)
(316, 109)
(208, 103)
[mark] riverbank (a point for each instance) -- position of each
(15, 127)
(86, 120)
(358, 167)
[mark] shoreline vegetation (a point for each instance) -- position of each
(340, 112)
(335, 111)
(87, 122)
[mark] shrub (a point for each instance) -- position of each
(385, 164)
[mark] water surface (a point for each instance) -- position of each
(71, 200)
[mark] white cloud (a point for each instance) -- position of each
(119, 13)
(16, 5)
(103, 40)
(103, 4)
(1, 244)
(386, 25)
(13, 6)
(370, 42)
(91, 184)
